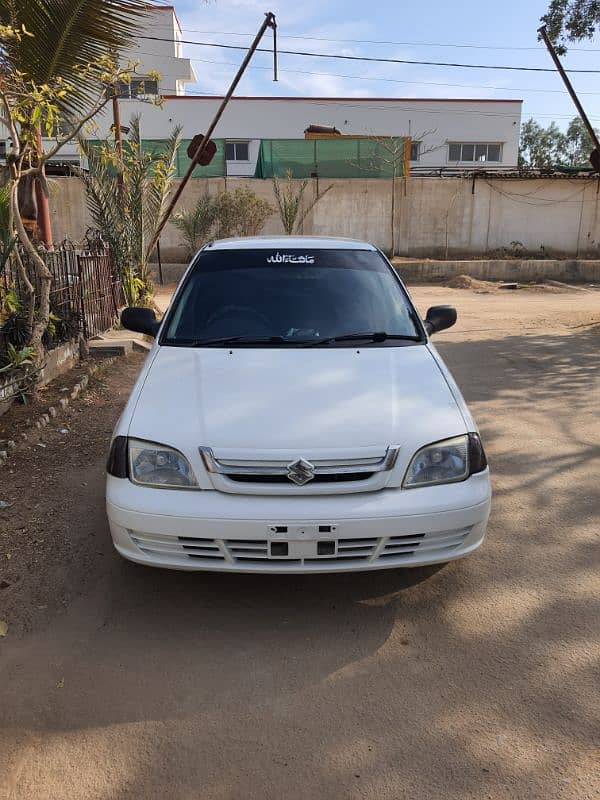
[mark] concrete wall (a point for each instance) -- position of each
(434, 217)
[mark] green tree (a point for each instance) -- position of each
(539, 147)
(127, 201)
(571, 21)
(544, 148)
(240, 213)
(578, 144)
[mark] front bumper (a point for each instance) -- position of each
(210, 530)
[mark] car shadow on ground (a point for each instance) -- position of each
(473, 680)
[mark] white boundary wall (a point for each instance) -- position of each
(434, 218)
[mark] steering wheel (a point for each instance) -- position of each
(238, 313)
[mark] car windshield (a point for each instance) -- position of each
(275, 298)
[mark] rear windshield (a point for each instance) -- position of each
(291, 297)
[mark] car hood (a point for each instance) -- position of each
(301, 400)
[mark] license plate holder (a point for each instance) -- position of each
(316, 530)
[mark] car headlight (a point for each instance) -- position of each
(449, 461)
(152, 464)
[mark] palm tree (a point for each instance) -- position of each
(142, 182)
(66, 36)
(63, 38)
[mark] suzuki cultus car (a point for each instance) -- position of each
(293, 416)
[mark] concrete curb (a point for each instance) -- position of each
(53, 412)
(519, 270)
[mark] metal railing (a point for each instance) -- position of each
(85, 294)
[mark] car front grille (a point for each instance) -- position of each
(277, 554)
(316, 476)
(283, 479)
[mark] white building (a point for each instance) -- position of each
(481, 134)
(447, 134)
(159, 49)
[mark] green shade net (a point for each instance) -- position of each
(345, 157)
(215, 169)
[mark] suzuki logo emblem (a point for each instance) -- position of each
(300, 472)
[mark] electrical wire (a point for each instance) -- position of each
(387, 80)
(375, 78)
(371, 59)
(542, 202)
(389, 42)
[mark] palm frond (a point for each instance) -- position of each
(66, 36)
(197, 224)
(107, 214)
(159, 183)
(134, 189)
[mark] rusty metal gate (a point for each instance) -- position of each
(100, 293)
(85, 295)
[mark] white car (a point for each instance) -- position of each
(293, 416)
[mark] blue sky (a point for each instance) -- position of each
(410, 30)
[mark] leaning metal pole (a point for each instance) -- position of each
(269, 22)
(584, 117)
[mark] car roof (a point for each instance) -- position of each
(289, 242)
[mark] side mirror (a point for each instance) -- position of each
(439, 318)
(140, 320)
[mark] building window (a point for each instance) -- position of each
(415, 151)
(474, 152)
(237, 151)
(2, 148)
(137, 87)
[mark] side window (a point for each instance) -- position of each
(136, 87)
(237, 151)
(471, 152)
(454, 151)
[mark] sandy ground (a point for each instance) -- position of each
(476, 680)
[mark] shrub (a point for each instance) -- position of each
(196, 225)
(241, 213)
(251, 212)
(290, 202)
(238, 213)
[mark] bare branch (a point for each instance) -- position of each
(419, 137)
(311, 205)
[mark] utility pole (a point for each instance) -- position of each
(595, 155)
(117, 132)
(269, 22)
(43, 210)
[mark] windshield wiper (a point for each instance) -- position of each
(225, 340)
(373, 336)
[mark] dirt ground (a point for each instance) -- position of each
(475, 680)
